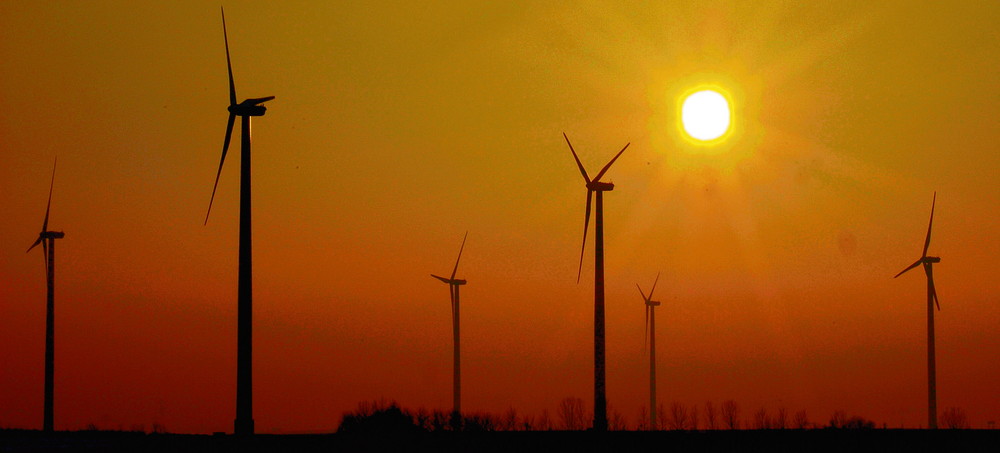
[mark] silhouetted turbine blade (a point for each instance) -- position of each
(930, 280)
(256, 101)
(654, 286)
(455, 270)
(927, 242)
(225, 149)
(45, 223)
(35, 244)
(915, 264)
(232, 85)
(451, 292)
(586, 224)
(606, 167)
(641, 293)
(645, 332)
(442, 279)
(575, 157)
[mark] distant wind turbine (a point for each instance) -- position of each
(244, 355)
(48, 240)
(595, 185)
(932, 300)
(650, 335)
(453, 286)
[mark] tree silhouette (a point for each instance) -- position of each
(643, 424)
(761, 420)
(678, 416)
(509, 422)
(801, 420)
(616, 421)
(730, 414)
(571, 414)
(710, 415)
(544, 422)
(378, 417)
(840, 420)
(780, 420)
(955, 418)
(693, 418)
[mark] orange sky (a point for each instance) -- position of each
(396, 128)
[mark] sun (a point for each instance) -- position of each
(706, 116)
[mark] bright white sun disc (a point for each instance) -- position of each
(705, 115)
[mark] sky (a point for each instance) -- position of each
(399, 126)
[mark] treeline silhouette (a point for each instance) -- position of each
(387, 416)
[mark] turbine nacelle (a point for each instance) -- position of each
(598, 186)
(931, 260)
(250, 107)
(653, 303)
(450, 281)
(52, 235)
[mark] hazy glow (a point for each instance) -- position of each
(705, 115)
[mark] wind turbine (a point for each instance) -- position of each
(453, 286)
(48, 240)
(595, 185)
(650, 335)
(244, 355)
(932, 300)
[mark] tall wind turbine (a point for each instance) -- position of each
(453, 286)
(932, 300)
(48, 240)
(244, 355)
(650, 335)
(596, 186)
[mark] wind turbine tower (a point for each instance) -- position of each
(247, 109)
(650, 335)
(597, 186)
(932, 300)
(453, 285)
(48, 240)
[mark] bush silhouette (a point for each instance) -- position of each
(378, 417)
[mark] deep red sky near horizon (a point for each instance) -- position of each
(398, 127)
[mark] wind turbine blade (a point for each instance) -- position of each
(606, 167)
(586, 224)
(256, 101)
(35, 244)
(451, 292)
(645, 332)
(927, 242)
(442, 279)
(229, 64)
(654, 285)
(578, 164)
(915, 264)
(225, 149)
(644, 298)
(930, 285)
(45, 257)
(934, 293)
(45, 223)
(455, 270)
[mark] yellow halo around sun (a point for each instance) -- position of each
(706, 116)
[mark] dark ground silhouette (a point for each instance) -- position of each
(840, 440)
